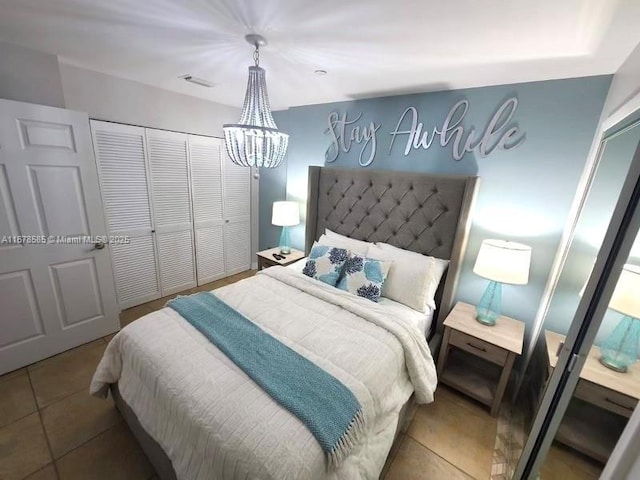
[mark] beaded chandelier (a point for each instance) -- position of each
(255, 140)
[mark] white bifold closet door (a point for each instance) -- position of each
(185, 206)
(171, 203)
(221, 209)
(237, 216)
(121, 156)
(208, 214)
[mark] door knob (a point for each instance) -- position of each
(99, 245)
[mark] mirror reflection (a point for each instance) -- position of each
(609, 385)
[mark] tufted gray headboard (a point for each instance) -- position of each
(428, 214)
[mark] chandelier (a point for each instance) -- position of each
(255, 140)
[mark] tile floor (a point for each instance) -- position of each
(50, 428)
(561, 463)
(451, 438)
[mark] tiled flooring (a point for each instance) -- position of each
(561, 463)
(451, 438)
(50, 428)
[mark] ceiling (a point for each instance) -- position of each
(368, 47)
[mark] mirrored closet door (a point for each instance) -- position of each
(582, 382)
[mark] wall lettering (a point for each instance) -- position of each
(497, 133)
(341, 142)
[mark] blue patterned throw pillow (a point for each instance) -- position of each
(364, 277)
(325, 263)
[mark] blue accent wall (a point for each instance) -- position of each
(273, 188)
(525, 193)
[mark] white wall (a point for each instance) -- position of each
(105, 97)
(32, 76)
(28, 75)
(625, 84)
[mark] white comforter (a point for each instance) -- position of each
(214, 422)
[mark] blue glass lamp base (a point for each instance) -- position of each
(285, 241)
(620, 350)
(489, 309)
(613, 365)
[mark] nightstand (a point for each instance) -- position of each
(266, 258)
(466, 341)
(602, 402)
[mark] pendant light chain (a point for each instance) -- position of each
(256, 55)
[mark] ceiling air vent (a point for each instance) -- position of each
(198, 81)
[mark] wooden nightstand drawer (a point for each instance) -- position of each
(605, 398)
(478, 347)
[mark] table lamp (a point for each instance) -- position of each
(499, 261)
(620, 350)
(285, 215)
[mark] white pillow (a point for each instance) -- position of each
(336, 240)
(439, 266)
(413, 278)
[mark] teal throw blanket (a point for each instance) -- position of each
(328, 408)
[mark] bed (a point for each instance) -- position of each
(197, 415)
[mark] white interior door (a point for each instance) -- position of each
(237, 216)
(53, 296)
(121, 154)
(171, 205)
(208, 220)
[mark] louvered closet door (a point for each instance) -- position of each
(237, 216)
(206, 190)
(121, 156)
(171, 204)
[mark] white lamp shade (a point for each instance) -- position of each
(285, 214)
(626, 296)
(504, 262)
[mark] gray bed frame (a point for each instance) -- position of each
(427, 214)
(423, 213)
